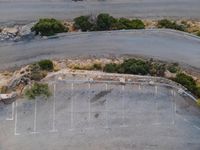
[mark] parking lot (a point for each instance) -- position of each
(130, 116)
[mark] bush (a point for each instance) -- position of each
(124, 23)
(188, 82)
(105, 22)
(173, 68)
(46, 65)
(157, 69)
(170, 24)
(97, 66)
(198, 33)
(83, 23)
(134, 66)
(111, 68)
(37, 89)
(48, 27)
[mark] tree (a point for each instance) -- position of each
(46, 65)
(83, 23)
(105, 22)
(48, 27)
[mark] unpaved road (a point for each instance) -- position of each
(161, 44)
(29, 10)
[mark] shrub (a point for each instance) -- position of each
(173, 68)
(37, 89)
(111, 68)
(46, 65)
(83, 23)
(134, 66)
(198, 33)
(48, 27)
(105, 22)
(137, 24)
(188, 82)
(198, 102)
(170, 24)
(124, 23)
(157, 69)
(97, 66)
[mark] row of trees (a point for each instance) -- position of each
(105, 22)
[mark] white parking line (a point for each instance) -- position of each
(89, 105)
(35, 119)
(54, 109)
(157, 115)
(72, 106)
(156, 90)
(123, 105)
(106, 109)
(139, 87)
(12, 114)
(15, 128)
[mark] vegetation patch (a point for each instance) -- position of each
(37, 89)
(170, 25)
(48, 27)
(39, 70)
(136, 66)
(105, 22)
(173, 68)
(188, 82)
(46, 65)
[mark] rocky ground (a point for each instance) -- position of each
(15, 32)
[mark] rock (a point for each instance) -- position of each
(11, 31)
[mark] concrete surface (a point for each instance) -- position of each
(102, 116)
(12, 11)
(161, 44)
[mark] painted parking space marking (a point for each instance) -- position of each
(95, 106)
(54, 109)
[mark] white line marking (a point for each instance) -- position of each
(156, 90)
(123, 105)
(139, 87)
(16, 105)
(35, 119)
(157, 115)
(72, 106)
(12, 115)
(89, 105)
(54, 109)
(173, 111)
(106, 112)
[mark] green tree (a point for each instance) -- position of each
(48, 27)
(105, 22)
(83, 23)
(46, 65)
